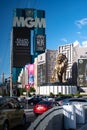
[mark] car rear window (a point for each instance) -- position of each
(45, 102)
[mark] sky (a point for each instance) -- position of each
(66, 22)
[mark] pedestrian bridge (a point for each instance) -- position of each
(67, 117)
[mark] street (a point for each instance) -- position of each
(22, 127)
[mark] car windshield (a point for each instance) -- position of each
(78, 100)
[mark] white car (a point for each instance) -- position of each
(75, 101)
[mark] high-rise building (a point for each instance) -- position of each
(28, 38)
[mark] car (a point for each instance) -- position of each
(33, 100)
(75, 101)
(61, 99)
(44, 106)
(11, 113)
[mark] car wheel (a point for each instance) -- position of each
(24, 120)
(6, 126)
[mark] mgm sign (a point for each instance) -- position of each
(29, 22)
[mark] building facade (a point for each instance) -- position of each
(44, 67)
(45, 62)
(82, 67)
(70, 50)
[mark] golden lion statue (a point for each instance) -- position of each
(60, 68)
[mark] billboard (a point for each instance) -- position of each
(21, 46)
(41, 59)
(40, 43)
(82, 72)
(30, 68)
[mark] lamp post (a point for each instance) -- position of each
(11, 85)
(27, 89)
(11, 62)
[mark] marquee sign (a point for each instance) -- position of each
(29, 22)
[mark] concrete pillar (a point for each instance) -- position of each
(69, 117)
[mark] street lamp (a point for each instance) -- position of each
(11, 62)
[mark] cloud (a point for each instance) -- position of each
(76, 43)
(78, 32)
(64, 39)
(81, 22)
(82, 36)
(84, 43)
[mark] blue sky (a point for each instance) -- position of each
(66, 22)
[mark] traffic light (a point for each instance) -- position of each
(27, 87)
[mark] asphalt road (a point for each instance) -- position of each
(22, 127)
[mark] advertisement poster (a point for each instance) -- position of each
(21, 46)
(40, 43)
(82, 72)
(30, 68)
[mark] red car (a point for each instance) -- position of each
(43, 106)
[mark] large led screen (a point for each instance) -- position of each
(21, 46)
(40, 43)
(82, 72)
(30, 68)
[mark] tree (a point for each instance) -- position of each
(32, 90)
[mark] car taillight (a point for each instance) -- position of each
(44, 107)
(36, 106)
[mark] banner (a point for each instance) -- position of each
(30, 68)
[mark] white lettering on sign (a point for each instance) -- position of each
(29, 22)
(22, 42)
